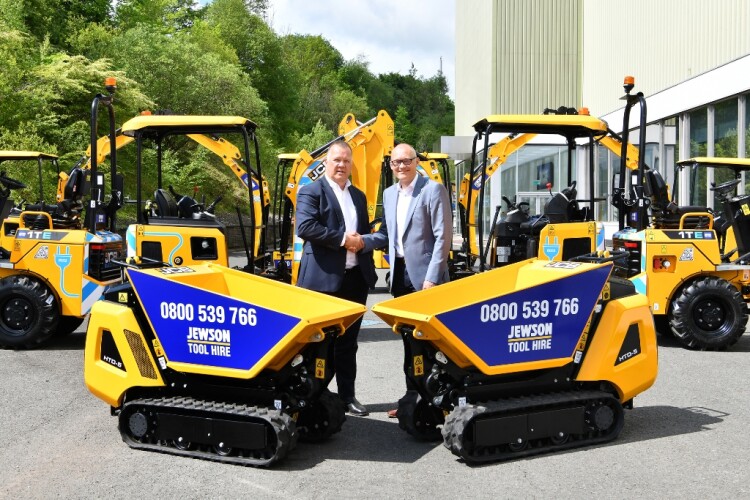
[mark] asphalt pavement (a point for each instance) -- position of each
(686, 438)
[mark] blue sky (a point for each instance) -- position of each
(390, 34)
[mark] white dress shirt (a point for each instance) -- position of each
(346, 203)
(402, 208)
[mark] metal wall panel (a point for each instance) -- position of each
(576, 52)
(660, 43)
(475, 63)
(538, 54)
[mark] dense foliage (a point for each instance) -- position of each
(222, 58)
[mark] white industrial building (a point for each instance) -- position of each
(691, 60)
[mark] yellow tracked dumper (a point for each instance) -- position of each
(211, 362)
(528, 358)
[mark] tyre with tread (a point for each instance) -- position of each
(661, 322)
(67, 325)
(708, 314)
(28, 312)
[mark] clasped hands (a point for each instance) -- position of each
(353, 242)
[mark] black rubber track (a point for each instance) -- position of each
(458, 435)
(281, 425)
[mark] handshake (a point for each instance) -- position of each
(354, 242)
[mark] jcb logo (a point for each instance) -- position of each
(316, 172)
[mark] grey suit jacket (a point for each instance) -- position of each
(428, 232)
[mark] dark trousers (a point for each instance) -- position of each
(402, 285)
(354, 288)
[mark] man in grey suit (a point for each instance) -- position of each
(331, 215)
(417, 228)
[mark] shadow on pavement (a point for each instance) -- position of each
(362, 439)
(649, 422)
(655, 422)
(379, 334)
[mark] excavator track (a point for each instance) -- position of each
(222, 432)
(518, 427)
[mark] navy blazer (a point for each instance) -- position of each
(320, 223)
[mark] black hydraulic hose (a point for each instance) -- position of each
(641, 164)
(638, 187)
(324, 147)
(621, 213)
(138, 178)
(41, 184)
(112, 163)
(494, 222)
(250, 262)
(590, 216)
(480, 218)
(250, 250)
(286, 227)
(158, 162)
(464, 214)
(96, 191)
(263, 212)
(277, 197)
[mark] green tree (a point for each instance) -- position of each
(168, 15)
(324, 96)
(318, 136)
(261, 56)
(427, 110)
(11, 15)
(180, 77)
(52, 19)
(313, 55)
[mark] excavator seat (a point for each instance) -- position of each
(667, 214)
(165, 203)
(563, 207)
(66, 214)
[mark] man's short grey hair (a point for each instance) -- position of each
(403, 144)
(341, 144)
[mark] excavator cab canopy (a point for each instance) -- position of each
(37, 156)
(25, 155)
(158, 125)
(570, 126)
(736, 164)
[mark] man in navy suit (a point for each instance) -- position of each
(417, 227)
(331, 216)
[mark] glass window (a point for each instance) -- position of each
(539, 169)
(508, 180)
(671, 152)
(725, 140)
(698, 147)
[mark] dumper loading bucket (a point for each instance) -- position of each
(525, 316)
(209, 319)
